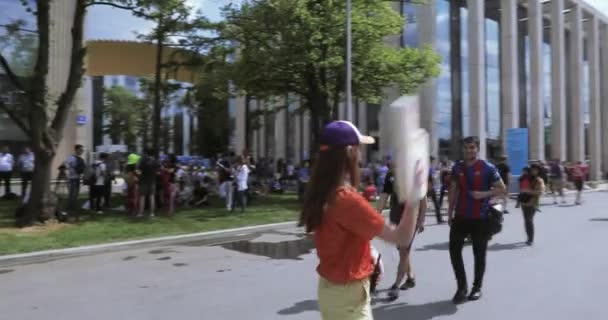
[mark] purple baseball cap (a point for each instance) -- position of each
(343, 133)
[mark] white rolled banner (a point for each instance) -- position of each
(411, 150)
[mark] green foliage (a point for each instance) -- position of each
(298, 46)
(125, 114)
(19, 46)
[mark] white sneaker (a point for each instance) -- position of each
(99, 212)
(151, 215)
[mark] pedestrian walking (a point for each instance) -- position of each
(432, 193)
(26, 164)
(344, 223)
(396, 211)
(557, 175)
(505, 174)
(578, 175)
(530, 200)
(445, 177)
(7, 163)
(474, 182)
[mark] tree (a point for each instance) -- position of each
(125, 113)
(40, 116)
(19, 45)
(297, 46)
(209, 99)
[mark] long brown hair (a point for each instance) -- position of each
(329, 171)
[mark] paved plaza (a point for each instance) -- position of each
(271, 276)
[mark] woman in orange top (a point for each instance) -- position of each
(344, 223)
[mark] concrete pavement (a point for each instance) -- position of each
(271, 275)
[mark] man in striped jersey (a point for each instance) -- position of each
(474, 183)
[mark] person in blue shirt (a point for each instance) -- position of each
(474, 183)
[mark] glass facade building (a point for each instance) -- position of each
(452, 85)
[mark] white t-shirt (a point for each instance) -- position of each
(6, 162)
(100, 173)
(26, 162)
(242, 175)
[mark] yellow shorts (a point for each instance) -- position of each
(349, 301)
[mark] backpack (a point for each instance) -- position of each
(556, 171)
(90, 176)
(80, 165)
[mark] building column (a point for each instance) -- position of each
(456, 80)
(509, 69)
(262, 130)
(239, 132)
(427, 17)
(391, 94)
(537, 126)
(187, 133)
(280, 131)
(576, 136)
(595, 102)
(306, 135)
(297, 143)
(195, 147)
(362, 125)
(558, 81)
(604, 93)
(477, 72)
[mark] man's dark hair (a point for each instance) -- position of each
(78, 146)
(471, 139)
(103, 156)
(150, 152)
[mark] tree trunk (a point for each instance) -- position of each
(156, 121)
(36, 208)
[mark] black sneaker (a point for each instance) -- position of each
(393, 293)
(460, 296)
(409, 284)
(475, 294)
(529, 243)
(505, 212)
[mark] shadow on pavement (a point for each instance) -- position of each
(506, 246)
(292, 249)
(299, 307)
(426, 311)
(599, 219)
(435, 246)
(493, 247)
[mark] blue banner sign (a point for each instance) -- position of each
(81, 119)
(517, 149)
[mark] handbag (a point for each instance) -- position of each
(495, 218)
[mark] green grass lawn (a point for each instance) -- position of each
(116, 226)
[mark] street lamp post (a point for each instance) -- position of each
(349, 83)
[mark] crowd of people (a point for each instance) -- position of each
(338, 213)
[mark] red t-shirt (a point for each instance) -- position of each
(343, 238)
(369, 192)
(524, 184)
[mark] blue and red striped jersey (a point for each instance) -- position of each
(479, 176)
